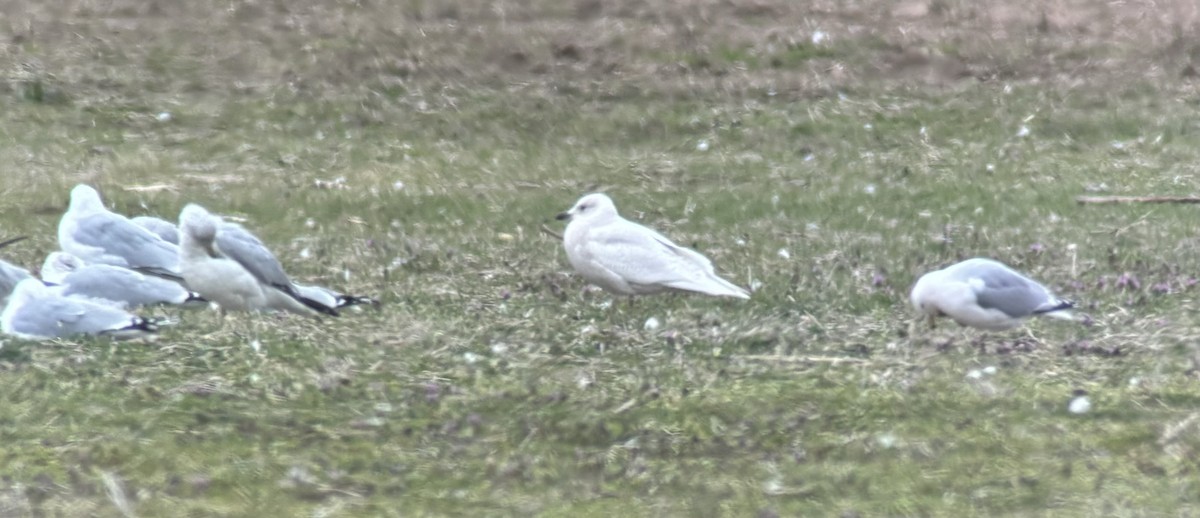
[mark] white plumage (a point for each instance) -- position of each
(626, 258)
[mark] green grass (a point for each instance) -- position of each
(492, 382)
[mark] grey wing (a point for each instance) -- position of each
(63, 316)
(121, 285)
(160, 227)
(1011, 293)
(240, 245)
(84, 317)
(38, 317)
(117, 236)
(644, 257)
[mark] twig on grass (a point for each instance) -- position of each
(1085, 200)
(547, 230)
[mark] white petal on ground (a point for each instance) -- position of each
(985, 294)
(92, 233)
(36, 311)
(626, 258)
(103, 281)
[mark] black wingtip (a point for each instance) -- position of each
(1062, 304)
(194, 298)
(159, 272)
(317, 306)
(355, 300)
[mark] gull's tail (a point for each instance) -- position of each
(714, 286)
(355, 300)
(138, 326)
(194, 300)
(1059, 309)
(312, 304)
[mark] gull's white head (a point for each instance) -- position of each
(594, 207)
(197, 223)
(58, 265)
(84, 197)
(922, 294)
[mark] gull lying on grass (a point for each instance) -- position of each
(322, 295)
(985, 294)
(626, 258)
(104, 281)
(92, 233)
(162, 228)
(228, 265)
(36, 311)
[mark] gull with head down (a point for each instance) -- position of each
(228, 265)
(985, 294)
(626, 258)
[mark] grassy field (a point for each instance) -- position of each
(824, 153)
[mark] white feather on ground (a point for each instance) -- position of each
(626, 258)
(985, 294)
(96, 235)
(121, 285)
(35, 311)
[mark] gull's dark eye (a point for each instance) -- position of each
(583, 207)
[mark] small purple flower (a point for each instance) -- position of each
(1128, 281)
(433, 392)
(878, 280)
(1161, 288)
(1037, 248)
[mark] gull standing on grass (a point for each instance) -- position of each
(121, 285)
(92, 233)
(228, 265)
(36, 311)
(985, 294)
(626, 258)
